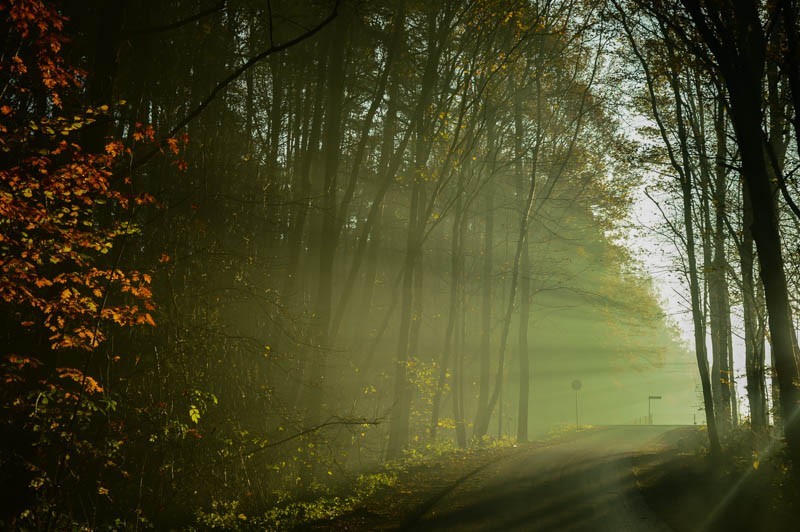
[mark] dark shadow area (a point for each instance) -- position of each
(691, 494)
(573, 494)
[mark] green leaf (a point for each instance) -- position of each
(194, 414)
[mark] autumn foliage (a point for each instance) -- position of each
(65, 215)
(60, 211)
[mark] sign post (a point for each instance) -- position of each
(649, 410)
(576, 385)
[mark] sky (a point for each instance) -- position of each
(659, 258)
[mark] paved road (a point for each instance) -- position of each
(585, 484)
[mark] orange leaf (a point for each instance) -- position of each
(173, 145)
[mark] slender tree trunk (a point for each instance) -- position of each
(525, 286)
(717, 307)
(419, 276)
(461, 344)
(524, 356)
(106, 39)
(301, 195)
(791, 60)
(275, 118)
(486, 292)
(720, 299)
(746, 115)
(683, 168)
(456, 259)
(399, 429)
(371, 269)
(742, 66)
(484, 416)
(755, 351)
(332, 136)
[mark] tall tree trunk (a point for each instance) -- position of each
(301, 193)
(554, 175)
(106, 39)
(682, 165)
(525, 285)
(458, 365)
(390, 161)
(486, 287)
(484, 416)
(522, 350)
(419, 275)
(713, 192)
(456, 259)
(338, 223)
(371, 268)
(742, 66)
(399, 429)
(275, 118)
(755, 351)
(686, 182)
(720, 307)
(746, 117)
(332, 135)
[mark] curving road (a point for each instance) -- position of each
(584, 484)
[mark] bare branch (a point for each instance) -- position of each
(233, 76)
(331, 422)
(177, 24)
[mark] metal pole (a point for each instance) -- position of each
(576, 385)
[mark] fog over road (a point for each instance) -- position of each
(586, 483)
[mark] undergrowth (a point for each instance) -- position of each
(326, 503)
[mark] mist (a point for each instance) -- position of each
(265, 262)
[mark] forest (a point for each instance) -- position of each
(256, 252)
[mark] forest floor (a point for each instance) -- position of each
(583, 480)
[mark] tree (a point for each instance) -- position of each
(680, 161)
(735, 38)
(63, 221)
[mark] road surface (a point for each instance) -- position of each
(584, 484)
